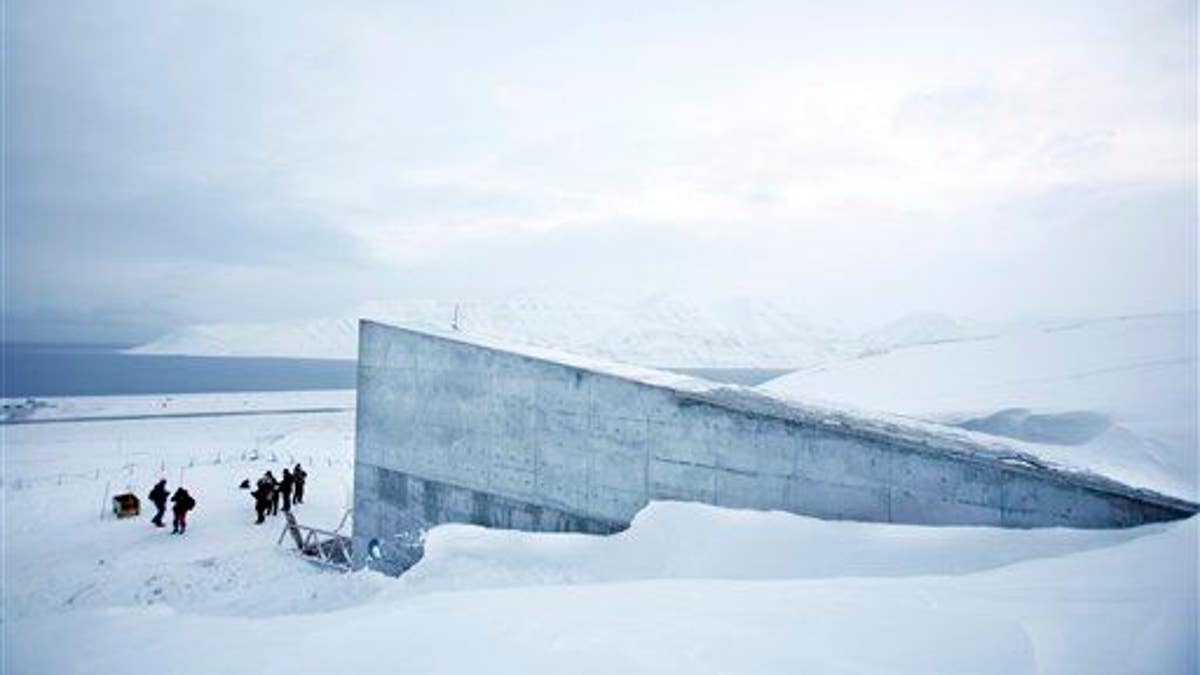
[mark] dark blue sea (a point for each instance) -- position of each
(44, 369)
(47, 369)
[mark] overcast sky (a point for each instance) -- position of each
(177, 162)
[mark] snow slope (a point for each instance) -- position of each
(688, 588)
(658, 331)
(58, 475)
(923, 328)
(1117, 395)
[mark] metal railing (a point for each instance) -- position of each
(324, 547)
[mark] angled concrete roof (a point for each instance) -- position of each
(910, 432)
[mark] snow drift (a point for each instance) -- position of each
(1117, 395)
(688, 588)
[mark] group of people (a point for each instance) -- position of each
(181, 503)
(270, 491)
(267, 497)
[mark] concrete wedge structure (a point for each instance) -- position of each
(457, 428)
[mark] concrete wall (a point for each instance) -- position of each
(451, 431)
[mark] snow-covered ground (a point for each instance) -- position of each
(689, 588)
(1117, 395)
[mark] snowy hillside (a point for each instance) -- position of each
(1118, 395)
(923, 328)
(317, 339)
(687, 589)
(658, 331)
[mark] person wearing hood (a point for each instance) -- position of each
(158, 497)
(271, 486)
(182, 503)
(298, 474)
(275, 490)
(286, 484)
(262, 501)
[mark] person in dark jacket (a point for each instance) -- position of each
(158, 497)
(270, 486)
(182, 503)
(262, 501)
(273, 486)
(286, 484)
(298, 474)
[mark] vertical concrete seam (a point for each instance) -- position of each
(646, 459)
(802, 436)
(889, 458)
(1004, 494)
(590, 425)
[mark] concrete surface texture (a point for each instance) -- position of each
(453, 428)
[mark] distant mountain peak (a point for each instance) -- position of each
(660, 330)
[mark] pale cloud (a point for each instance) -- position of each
(384, 145)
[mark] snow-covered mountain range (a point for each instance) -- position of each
(663, 331)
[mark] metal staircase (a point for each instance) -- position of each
(323, 547)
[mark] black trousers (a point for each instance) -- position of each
(157, 519)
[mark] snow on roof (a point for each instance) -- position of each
(918, 435)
